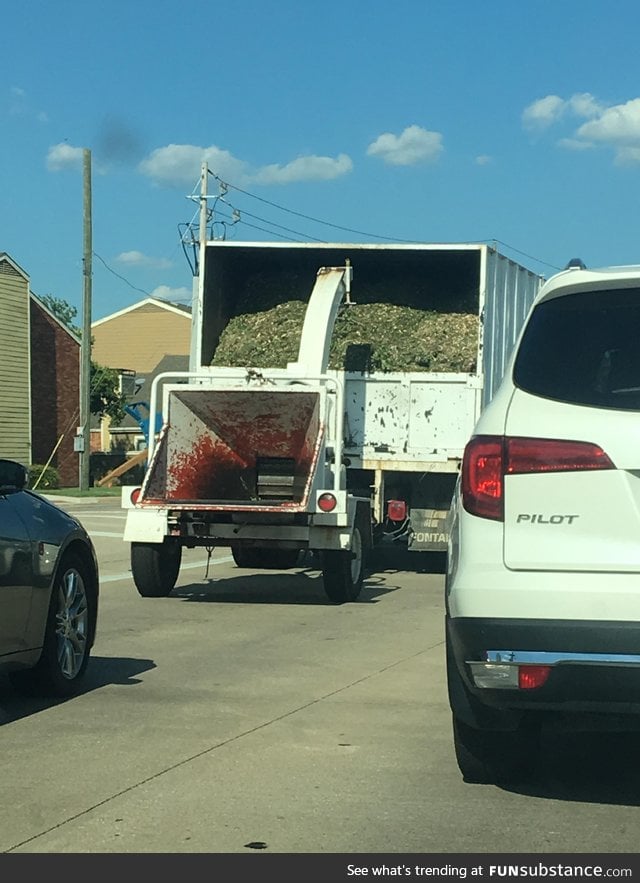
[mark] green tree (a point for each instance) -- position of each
(63, 311)
(105, 399)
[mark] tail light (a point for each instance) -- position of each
(327, 502)
(396, 510)
(488, 458)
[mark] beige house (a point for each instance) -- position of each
(15, 362)
(138, 337)
(147, 338)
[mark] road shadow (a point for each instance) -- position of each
(101, 671)
(397, 557)
(300, 586)
(586, 767)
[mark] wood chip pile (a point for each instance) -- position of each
(367, 337)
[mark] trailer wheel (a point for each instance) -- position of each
(267, 559)
(155, 567)
(343, 571)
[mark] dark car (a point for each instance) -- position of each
(48, 590)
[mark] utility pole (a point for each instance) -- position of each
(84, 429)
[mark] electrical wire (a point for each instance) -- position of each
(304, 238)
(126, 281)
(226, 185)
(307, 217)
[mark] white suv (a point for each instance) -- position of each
(543, 572)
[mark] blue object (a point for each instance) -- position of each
(134, 410)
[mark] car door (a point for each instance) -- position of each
(16, 577)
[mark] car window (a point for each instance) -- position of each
(584, 348)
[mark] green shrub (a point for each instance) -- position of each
(43, 478)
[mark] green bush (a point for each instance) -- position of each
(43, 478)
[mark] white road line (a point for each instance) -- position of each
(114, 577)
(105, 533)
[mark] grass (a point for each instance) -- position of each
(77, 492)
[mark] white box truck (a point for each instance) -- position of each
(272, 461)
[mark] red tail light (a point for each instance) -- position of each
(397, 510)
(327, 502)
(482, 476)
(530, 677)
(488, 458)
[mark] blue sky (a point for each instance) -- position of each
(343, 121)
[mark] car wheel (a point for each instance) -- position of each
(268, 559)
(343, 571)
(68, 634)
(495, 756)
(155, 567)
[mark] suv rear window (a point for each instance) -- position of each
(584, 349)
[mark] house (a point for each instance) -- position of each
(150, 337)
(55, 393)
(39, 379)
(15, 369)
(138, 337)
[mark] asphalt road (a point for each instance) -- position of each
(245, 713)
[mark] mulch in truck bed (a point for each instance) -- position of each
(367, 337)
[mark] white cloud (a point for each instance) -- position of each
(483, 160)
(412, 146)
(304, 168)
(176, 295)
(583, 104)
(544, 112)
(64, 156)
(616, 127)
(138, 259)
(181, 164)
(575, 144)
(627, 156)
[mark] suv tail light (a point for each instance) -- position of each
(488, 458)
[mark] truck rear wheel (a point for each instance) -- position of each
(343, 571)
(155, 567)
(267, 559)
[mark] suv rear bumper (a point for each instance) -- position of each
(594, 666)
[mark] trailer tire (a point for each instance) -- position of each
(155, 567)
(265, 559)
(343, 571)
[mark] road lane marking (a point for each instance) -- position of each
(114, 577)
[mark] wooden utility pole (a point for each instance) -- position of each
(84, 429)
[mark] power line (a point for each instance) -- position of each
(226, 185)
(126, 281)
(308, 217)
(304, 236)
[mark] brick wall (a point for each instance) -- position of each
(55, 394)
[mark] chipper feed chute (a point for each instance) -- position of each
(231, 447)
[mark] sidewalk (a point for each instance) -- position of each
(81, 501)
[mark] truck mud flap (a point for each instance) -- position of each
(428, 530)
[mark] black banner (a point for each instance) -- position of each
(490, 867)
